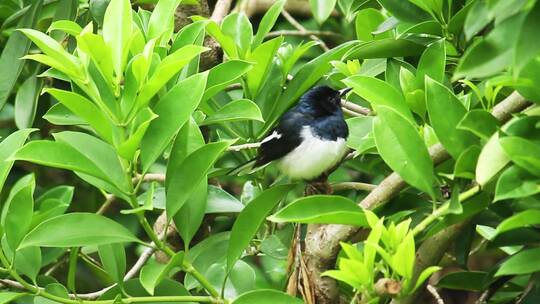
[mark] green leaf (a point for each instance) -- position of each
(464, 280)
(379, 94)
(522, 152)
(191, 214)
(113, 260)
(227, 43)
(267, 22)
(322, 9)
(58, 155)
(493, 53)
(172, 115)
(520, 263)
(17, 46)
(367, 22)
(60, 115)
(527, 45)
(515, 182)
(402, 148)
(26, 102)
(77, 230)
(445, 112)
(117, 29)
(165, 70)
(268, 296)
(479, 122)
(66, 26)
(322, 209)
(72, 268)
(211, 250)
(140, 124)
(162, 19)
(28, 262)
(250, 219)
(522, 219)
(17, 211)
(94, 45)
(153, 274)
(262, 57)
(384, 48)
(54, 50)
(432, 63)
(425, 275)
(220, 201)
(9, 297)
(224, 74)
(477, 18)
(466, 163)
(237, 110)
(8, 146)
(238, 27)
(86, 110)
(100, 154)
(198, 163)
(404, 10)
(491, 160)
(360, 137)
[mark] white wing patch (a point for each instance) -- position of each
(312, 157)
(274, 134)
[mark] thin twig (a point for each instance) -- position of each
(221, 10)
(301, 28)
(244, 146)
(353, 186)
(355, 108)
(302, 33)
(433, 291)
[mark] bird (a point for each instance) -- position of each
(309, 139)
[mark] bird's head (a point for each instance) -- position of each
(323, 99)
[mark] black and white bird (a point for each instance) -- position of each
(309, 139)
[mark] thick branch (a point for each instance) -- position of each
(322, 243)
(221, 10)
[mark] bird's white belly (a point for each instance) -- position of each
(312, 157)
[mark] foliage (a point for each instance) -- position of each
(107, 101)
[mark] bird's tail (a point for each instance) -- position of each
(246, 168)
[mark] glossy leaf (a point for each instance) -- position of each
(266, 297)
(198, 163)
(466, 163)
(322, 9)
(238, 27)
(379, 94)
(237, 110)
(8, 146)
(491, 160)
(366, 22)
(17, 211)
(26, 102)
(162, 18)
(479, 122)
(464, 280)
(522, 152)
(432, 63)
(445, 112)
(401, 147)
(360, 137)
(117, 30)
(76, 230)
(113, 260)
(520, 263)
(384, 48)
(250, 219)
(66, 26)
(224, 74)
(153, 274)
(172, 115)
(515, 182)
(404, 10)
(262, 57)
(522, 219)
(322, 209)
(220, 201)
(16, 47)
(527, 45)
(267, 22)
(86, 110)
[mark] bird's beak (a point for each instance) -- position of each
(343, 92)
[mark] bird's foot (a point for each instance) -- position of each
(318, 187)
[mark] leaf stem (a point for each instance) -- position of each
(443, 209)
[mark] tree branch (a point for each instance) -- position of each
(299, 27)
(221, 10)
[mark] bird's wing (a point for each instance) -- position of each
(281, 140)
